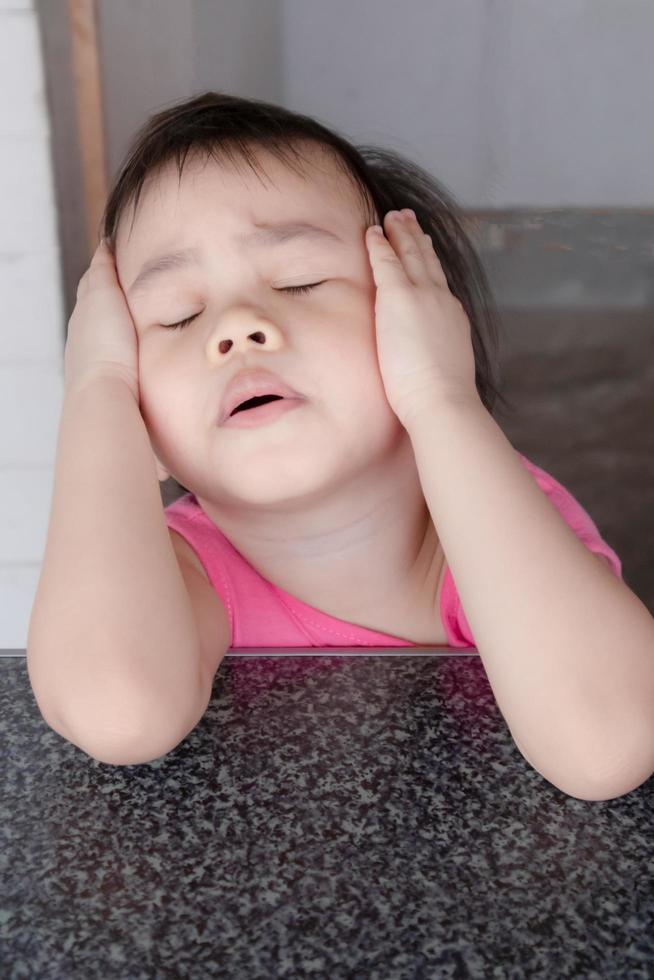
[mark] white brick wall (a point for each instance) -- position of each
(31, 319)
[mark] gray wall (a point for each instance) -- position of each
(537, 112)
(513, 103)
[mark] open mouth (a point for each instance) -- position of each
(255, 402)
(262, 410)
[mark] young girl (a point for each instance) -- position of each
(315, 368)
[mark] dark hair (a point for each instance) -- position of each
(227, 127)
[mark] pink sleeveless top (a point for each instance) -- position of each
(262, 615)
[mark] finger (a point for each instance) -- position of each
(387, 269)
(100, 266)
(432, 262)
(404, 240)
(103, 252)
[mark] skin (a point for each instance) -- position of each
(325, 501)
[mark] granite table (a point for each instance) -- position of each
(361, 814)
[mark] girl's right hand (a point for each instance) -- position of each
(102, 340)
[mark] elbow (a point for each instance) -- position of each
(118, 750)
(618, 773)
(604, 790)
(112, 744)
(625, 766)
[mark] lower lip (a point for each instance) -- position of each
(253, 417)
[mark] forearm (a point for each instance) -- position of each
(567, 647)
(112, 640)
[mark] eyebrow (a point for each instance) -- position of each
(266, 235)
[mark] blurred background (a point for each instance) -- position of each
(536, 116)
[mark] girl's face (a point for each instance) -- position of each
(321, 343)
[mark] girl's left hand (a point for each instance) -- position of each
(424, 345)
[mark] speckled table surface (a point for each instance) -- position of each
(330, 817)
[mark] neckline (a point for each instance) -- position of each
(311, 615)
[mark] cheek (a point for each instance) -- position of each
(149, 406)
(347, 353)
(356, 390)
(161, 371)
(163, 402)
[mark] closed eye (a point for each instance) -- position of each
(293, 290)
(298, 290)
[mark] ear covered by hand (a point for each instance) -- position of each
(424, 343)
(101, 341)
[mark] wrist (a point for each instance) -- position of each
(101, 379)
(440, 406)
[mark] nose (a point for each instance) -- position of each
(239, 332)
